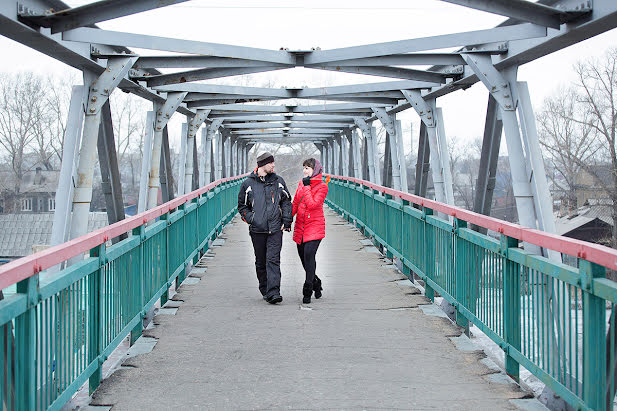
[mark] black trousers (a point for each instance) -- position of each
(268, 261)
(307, 252)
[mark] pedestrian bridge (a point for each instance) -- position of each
(370, 342)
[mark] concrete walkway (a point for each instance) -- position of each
(365, 345)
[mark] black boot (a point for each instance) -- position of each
(307, 290)
(317, 287)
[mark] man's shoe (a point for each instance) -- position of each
(265, 298)
(274, 299)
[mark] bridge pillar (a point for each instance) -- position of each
(193, 126)
(165, 171)
(64, 193)
(423, 162)
(183, 159)
(532, 196)
(163, 115)
(489, 157)
(375, 157)
(355, 145)
(344, 155)
(203, 158)
(336, 156)
(110, 173)
(98, 94)
(145, 162)
(218, 156)
(439, 158)
(392, 143)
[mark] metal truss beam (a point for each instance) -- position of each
(412, 59)
(205, 74)
(384, 71)
(289, 131)
(92, 13)
(524, 10)
(186, 62)
(286, 117)
(366, 88)
(237, 100)
(237, 91)
(507, 33)
(117, 38)
(77, 55)
(290, 125)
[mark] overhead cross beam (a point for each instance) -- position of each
(526, 11)
(118, 38)
(507, 33)
(96, 12)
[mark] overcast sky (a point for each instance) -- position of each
(300, 25)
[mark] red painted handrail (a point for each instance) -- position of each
(18, 270)
(596, 253)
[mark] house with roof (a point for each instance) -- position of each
(35, 193)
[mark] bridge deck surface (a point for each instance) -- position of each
(364, 345)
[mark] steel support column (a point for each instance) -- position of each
(64, 192)
(146, 160)
(192, 127)
(166, 177)
(489, 157)
(423, 162)
(401, 155)
(162, 117)
(218, 156)
(99, 92)
(110, 173)
(183, 158)
(439, 157)
(357, 157)
(392, 142)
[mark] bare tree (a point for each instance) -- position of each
(22, 103)
(597, 82)
(566, 134)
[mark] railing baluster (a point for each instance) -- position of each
(594, 337)
(25, 346)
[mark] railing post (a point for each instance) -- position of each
(511, 305)
(460, 274)
(429, 261)
(181, 275)
(25, 346)
(165, 295)
(594, 337)
(387, 235)
(95, 330)
(141, 275)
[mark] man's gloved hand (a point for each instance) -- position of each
(306, 181)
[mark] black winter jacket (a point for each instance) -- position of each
(265, 205)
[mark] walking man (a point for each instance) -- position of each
(264, 203)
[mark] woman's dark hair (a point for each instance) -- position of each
(309, 162)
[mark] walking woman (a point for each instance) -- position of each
(310, 226)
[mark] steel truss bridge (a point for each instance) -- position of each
(152, 250)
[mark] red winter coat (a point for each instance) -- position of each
(308, 205)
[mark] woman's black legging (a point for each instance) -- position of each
(307, 252)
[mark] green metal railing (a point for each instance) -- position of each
(56, 334)
(557, 321)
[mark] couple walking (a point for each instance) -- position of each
(265, 204)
